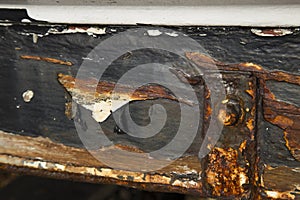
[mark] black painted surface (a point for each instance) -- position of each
(44, 115)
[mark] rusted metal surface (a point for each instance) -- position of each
(281, 114)
(257, 155)
(233, 158)
(99, 97)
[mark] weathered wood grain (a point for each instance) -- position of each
(257, 155)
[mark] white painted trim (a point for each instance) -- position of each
(209, 15)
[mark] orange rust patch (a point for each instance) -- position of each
(224, 174)
(251, 90)
(201, 60)
(104, 89)
(282, 121)
(252, 66)
(284, 77)
(292, 140)
(205, 62)
(243, 146)
(227, 118)
(250, 124)
(251, 93)
(208, 112)
(285, 116)
(50, 60)
(128, 148)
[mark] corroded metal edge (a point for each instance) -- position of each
(41, 156)
(231, 167)
(281, 114)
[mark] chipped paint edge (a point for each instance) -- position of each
(214, 15)
(36, 163)
(97, 172)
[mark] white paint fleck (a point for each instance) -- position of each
(225, 101)
(6, 24)
(279, 195)
(43, 165)
(35, 38)
(154, 32)
(202, 34)
(271, 32)
(60, 167)
(90, 31)
(25, 21)
(103, 109)
(173, 34)
(86, 58)
(18, 106)
(27, 95)
(194, 183)
(35, 164)
(177, 183)
(243, 178)
(296, 170)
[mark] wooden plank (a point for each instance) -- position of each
(254, 154)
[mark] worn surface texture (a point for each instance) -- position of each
(257, 155)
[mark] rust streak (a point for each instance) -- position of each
(284, 115)
(105, 89)
(50, 60)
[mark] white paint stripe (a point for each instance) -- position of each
(233, 15)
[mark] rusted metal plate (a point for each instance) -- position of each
(256, 156)
(230, 166)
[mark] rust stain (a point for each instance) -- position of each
(282, 121)
(225, 176)
(128, 148)
(292, 139)
(250, 124)
(202, 60)
(243, 146)
(284, 115)
(287, 117)
(275, 32)
(233, 112)
(226, 118)
(104, 89)
(102, 98)
(50, 60)
(251, 90)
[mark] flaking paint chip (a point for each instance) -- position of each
(154, 32)
(28, 95)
